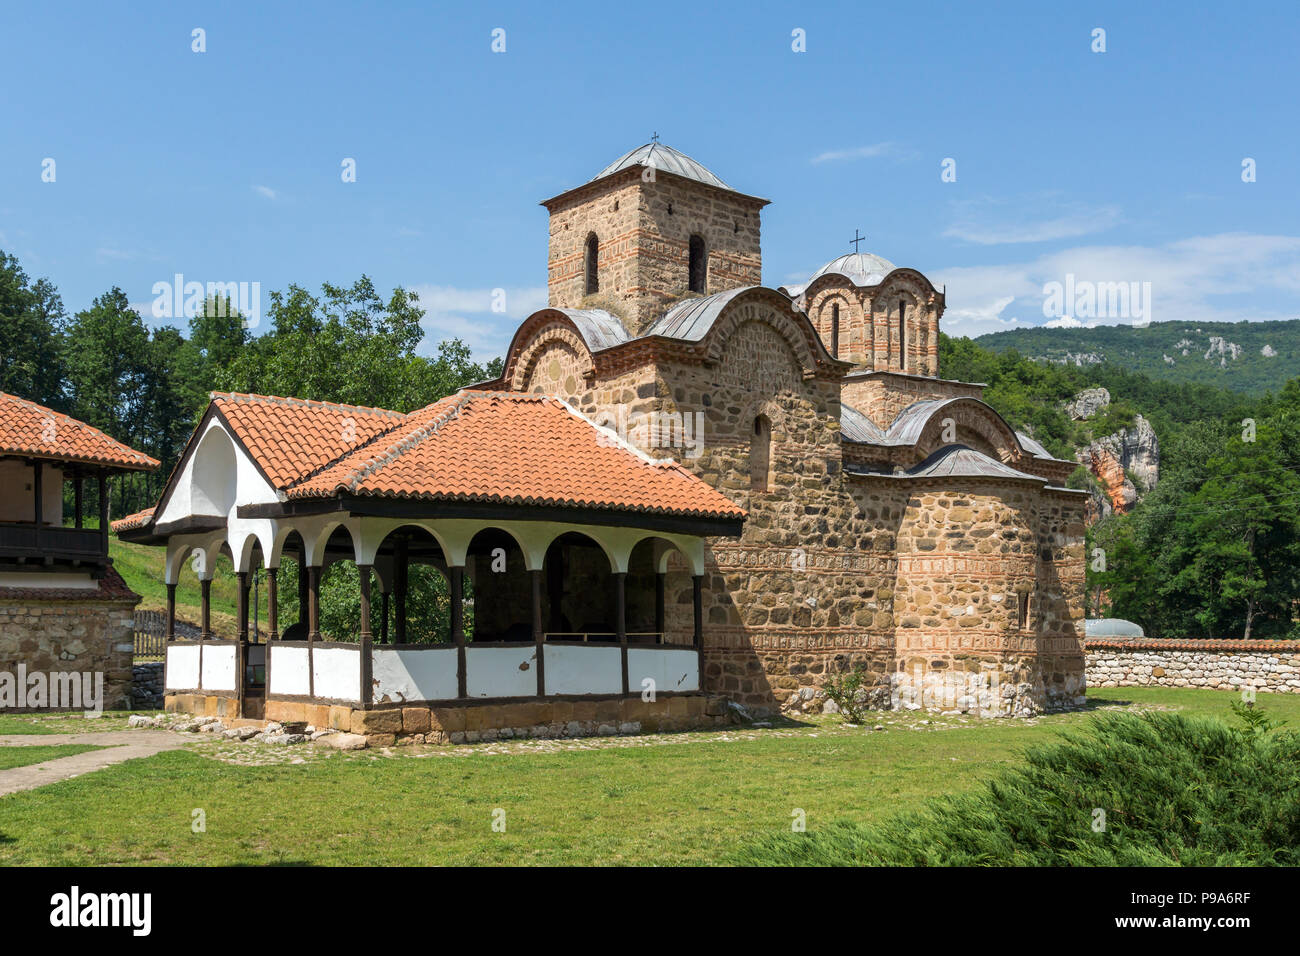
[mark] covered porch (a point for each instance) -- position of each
(490, 549)
(558, 609)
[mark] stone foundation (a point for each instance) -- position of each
(1271, 666)
(483, 721)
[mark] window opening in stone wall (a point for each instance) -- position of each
(760, 454)
(593, 278)
(902, 332)
(698, 269)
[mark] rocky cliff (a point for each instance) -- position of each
(1126, 463)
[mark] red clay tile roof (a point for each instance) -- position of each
(1217, 645)
(110, 587)
(291, 437)
(131, 522)
(508, 447)
(38, 432)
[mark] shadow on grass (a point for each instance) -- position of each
(1091, 704)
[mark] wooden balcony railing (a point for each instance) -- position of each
(46, 544)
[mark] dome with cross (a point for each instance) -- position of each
(862, 268)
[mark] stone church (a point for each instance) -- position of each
(895, 522)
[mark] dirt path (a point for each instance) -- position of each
(120, 746)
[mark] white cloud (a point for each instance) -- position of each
(875, 151)
(1228, 277)
(467, 314)
(266, 191)
(986, 222)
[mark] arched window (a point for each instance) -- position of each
(699, 266)
(902, 333)
(760, 454)
(835, 330)
(593, 278)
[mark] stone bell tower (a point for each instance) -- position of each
(650, 229)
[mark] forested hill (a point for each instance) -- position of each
(1248, 357)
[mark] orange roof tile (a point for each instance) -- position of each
(131, 522)
(507, 447)
(38, 432)
(291, 437)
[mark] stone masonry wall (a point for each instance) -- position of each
(882, 396)
(644, 229)
(812, 587)
(1272, 666)
(54, 635)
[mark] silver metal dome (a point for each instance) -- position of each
(665, 158)
(1112, 627)
(862, 268)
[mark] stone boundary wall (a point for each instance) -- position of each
(1271, 666)
(147, 685)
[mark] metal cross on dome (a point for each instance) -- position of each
(856, 239)
(654, 137)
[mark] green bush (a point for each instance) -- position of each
(1175, 791)
(848, 691)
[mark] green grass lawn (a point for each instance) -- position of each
(687, 801)
(11, 757)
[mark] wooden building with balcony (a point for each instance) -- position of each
(63, 609)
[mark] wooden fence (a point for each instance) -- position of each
(150, 635)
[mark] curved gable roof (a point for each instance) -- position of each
(962, 461)
(857, 427)
(692, 319)
(598, 328)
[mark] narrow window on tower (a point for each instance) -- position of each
(593, 278)
(835, 330)
(902, 333)
(698, 271)
(1023, 617)
(760, 454)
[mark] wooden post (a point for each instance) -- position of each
(273, 605)
(241, 648)
(660, 580)
(367, 661)
(401, 567)
(103, 513)
(697, 582)
(205, 590)
(242, 606)
(620, 620)
(313, 626)
(383, 617)
(313, 604)
(39, 467)
(78, 498)
(171, 612)
(458, 628)
(304, 587)
(539, 637)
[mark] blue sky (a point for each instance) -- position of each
(225, 165)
